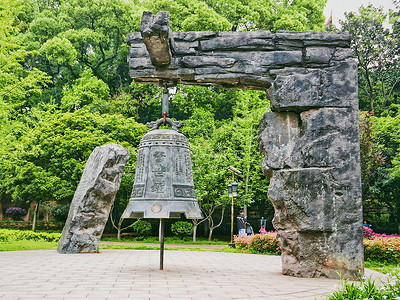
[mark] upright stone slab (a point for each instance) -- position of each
(93, 199)
(310, 139)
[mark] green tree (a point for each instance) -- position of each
(18, 81)
(386, 190)
(48, 160)
(216, 15)
(73, 36)
(377, 53)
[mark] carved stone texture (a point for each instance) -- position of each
(302, 89)
(155, 32)
(278, 135)
(317, 216)
(330, 139)
(94, 196)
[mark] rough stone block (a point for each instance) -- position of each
(329, 87)
(94, 196)
(339, 84)
(330, 137)
(277, 136)
(236, 41)
(155, 32)
(320, 55)
(313, 230)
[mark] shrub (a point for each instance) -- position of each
(367, 232)
(60, 212)
(15, 213)
(370, 234)
(259, 243)
(383, 249)
(142, 227)
(182, 228)
(7, 235)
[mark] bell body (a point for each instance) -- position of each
(163, 186)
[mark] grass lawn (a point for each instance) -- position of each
(27, 245)
(384, 268)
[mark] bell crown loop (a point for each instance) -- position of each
(175, 125)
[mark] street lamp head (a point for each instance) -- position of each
(235, 188)
(230, 190)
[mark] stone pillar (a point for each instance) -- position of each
(311, 148)
(93, 200)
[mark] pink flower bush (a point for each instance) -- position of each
(378, 247)
(381, 247)
(259, 243)
(370, 234)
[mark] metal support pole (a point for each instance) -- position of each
(165, 100)
(161, 238)
(233, 180)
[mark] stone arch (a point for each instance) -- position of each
(310, 139)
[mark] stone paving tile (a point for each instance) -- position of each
(134, 274)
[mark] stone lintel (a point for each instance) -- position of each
(228, 57)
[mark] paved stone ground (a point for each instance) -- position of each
(187, 246)
(125, 274)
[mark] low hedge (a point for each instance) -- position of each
(384, 249)
(259, 243)
(377, 247)
(26, 225)
(7, 235)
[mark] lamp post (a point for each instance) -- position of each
(233, 191)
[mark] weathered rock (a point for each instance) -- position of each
(330, 138)
(313, 88)
(93, 199)
(277, 136)
(155, 31)
(318, 219)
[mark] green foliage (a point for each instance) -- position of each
(18, 81)
(60, 212)
(181, 228)
(259, 243)
(368, 289)
(84, 91)
(383, 249)
(142, 227)
(7, 235)
(377, 52)
(216, 15)
(49, 160)
(384, 184)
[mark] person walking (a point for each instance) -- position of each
(241, 223)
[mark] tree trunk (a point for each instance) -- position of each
(194, 232)
(210, 234)
(206, 229)
(35, 216)
(119, 233)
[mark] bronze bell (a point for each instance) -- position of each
(163, 186)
